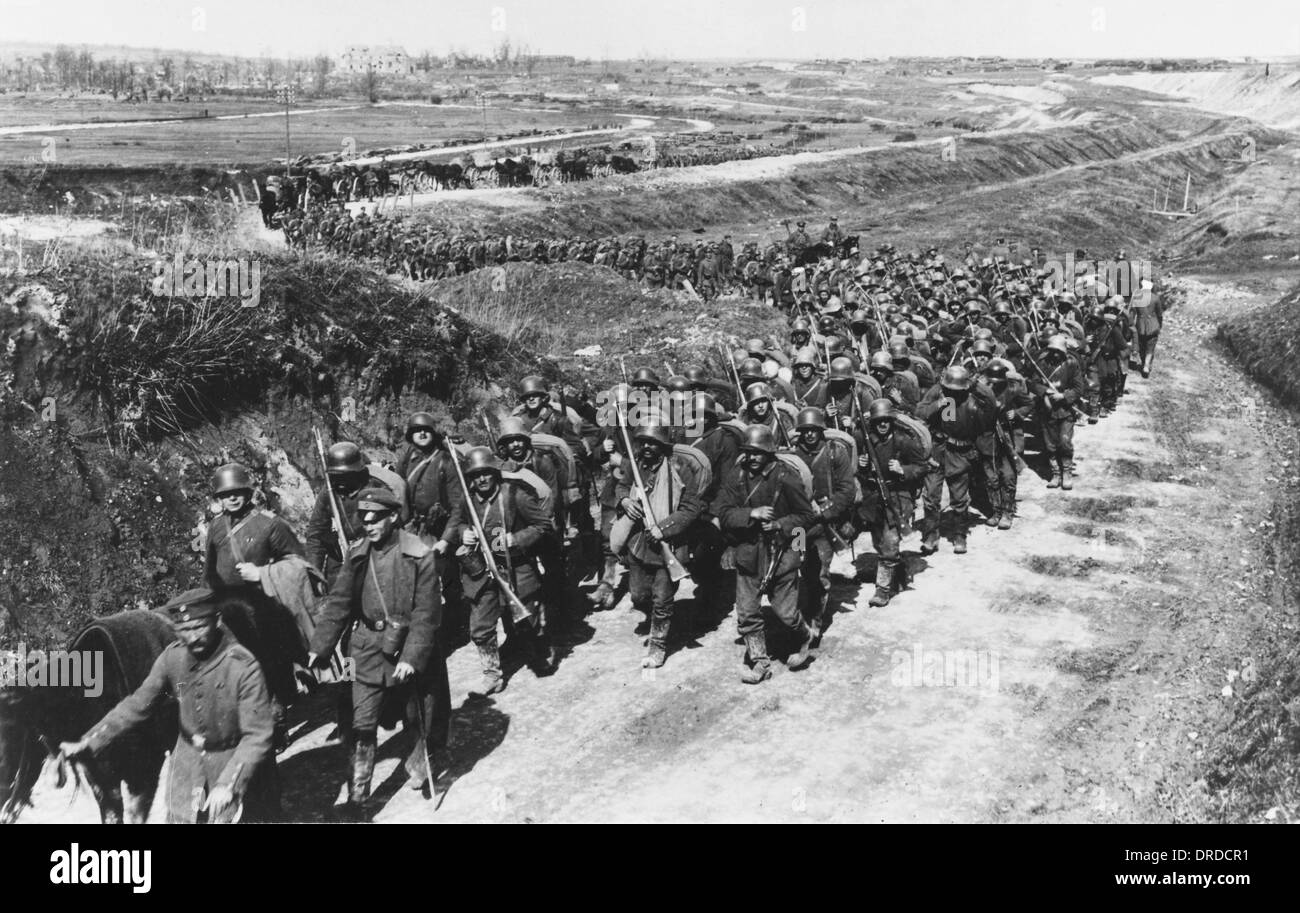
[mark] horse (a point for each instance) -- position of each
(124, 777)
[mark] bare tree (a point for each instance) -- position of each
(321, 67)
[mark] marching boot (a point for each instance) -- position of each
(884, 584)
(1055, 480)
(657, 650)
(1067, 474)
(761, 671)
(362, 772)
(930, 542)
(902, 576)
(546, 657)
(803, 655)
(603, 596)
(493, 681)
(1004, 522)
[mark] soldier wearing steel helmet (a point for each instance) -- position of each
(902, 467)
(431, 485)
(675, 493)
(1055, 397)
(348, 473)
(763, 509)
(897, 386)
(243, 539)
(515, 521)
(831, 465)
(809, 386)
(761, 409)
(958, 410)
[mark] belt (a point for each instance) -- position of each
(201, 743)
(374, 624)
(956, 443)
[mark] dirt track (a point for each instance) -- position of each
(1105, 624)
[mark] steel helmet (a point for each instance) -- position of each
(656, 433)
(231, 477)
(344, 457)
(754, 346)
(512, 428)
(480, 460)
(695, 375)
(1058, 343)
(899, 352)
(997, 369)
(421, 421)
(880, 409)
(805, 356)
(982, 347)
(826, 324)
(881, 361)
(1003, 307)
(834, 344)
(810, 417)
(705, 404)
(841, 369)
(974, 308)
(645, 377)
(677, 383)
(533, 385)
(756, 392)
(759, 438)
(750, 368)
(956, 378)
(800, 325)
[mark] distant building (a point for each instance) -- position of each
(360, 58)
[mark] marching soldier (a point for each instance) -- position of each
(387, 593)
(899, 387)
(1148, 317)
(763, 508)
(223, 765)
(760, 409)
(832, 471)
(797, 240)
(674, 493)
(431, 485)
(243, 539)
(1056, 391)
(831, 234)
(809, 388)
(1004, 441)
(958, 412)
(514, 521)
(891, 467)
(347, 474)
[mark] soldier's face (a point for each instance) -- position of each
(484, 484)
(649, 454)
(882, 427)
(755, 460)
(761, 407)
(198, 636)
(533, 401)
(422, 439)
(379, 524)
(232, 502)
(517, 448)
(799, 338)
(803, 371)
(811, 438)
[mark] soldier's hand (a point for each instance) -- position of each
(632, 509)
(469, 537)
(440, 546)
(402, 671)
(896, 395)
(72, 750)
(608, 445)
(770, 526)
(832, 409)
(248, 571)
(764, 513)
(863, 461)
(219, 802)
(896, 467)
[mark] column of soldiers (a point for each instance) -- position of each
(900, 378)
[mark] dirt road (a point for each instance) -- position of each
(1066, 670)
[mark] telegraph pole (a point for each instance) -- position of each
(288, 94)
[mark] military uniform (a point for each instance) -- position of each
(258, 537)
(225, 728)
(956, 427)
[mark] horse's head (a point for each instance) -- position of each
(21, 751)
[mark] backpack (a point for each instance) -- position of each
(531, 480)
(703, 469)
(918, 430)
(795, 462)
(563, 453)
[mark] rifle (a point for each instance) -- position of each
(891, 515)
(651, 525)
(519, 611)
(1050, 386)
(769, 576)
(337, 662)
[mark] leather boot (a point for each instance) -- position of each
(490, 660)
(1055, 480)
(362, 772)
(1067, 474)
(930, 542)
(803, 655)
(1004, 522)
(603, 596)
(657, 649)
(884, 584)
(761, 671)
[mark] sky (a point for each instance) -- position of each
(681, 29)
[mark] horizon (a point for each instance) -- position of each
(677, 30)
